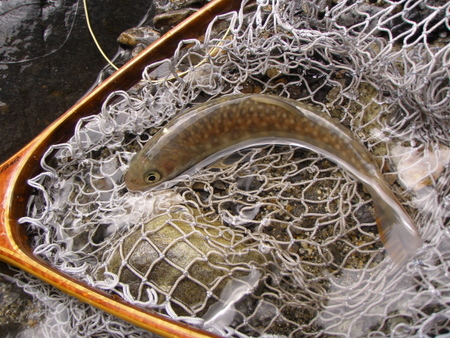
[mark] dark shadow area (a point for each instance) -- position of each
(65, 61)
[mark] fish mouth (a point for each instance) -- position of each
(132, 183)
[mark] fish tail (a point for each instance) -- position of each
(397, 230)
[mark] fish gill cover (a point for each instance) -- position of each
(272, 240)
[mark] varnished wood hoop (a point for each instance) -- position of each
(14, 173)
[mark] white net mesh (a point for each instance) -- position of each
(273, 240)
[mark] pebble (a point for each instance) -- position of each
(138, 35)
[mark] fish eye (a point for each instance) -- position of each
(152, 176)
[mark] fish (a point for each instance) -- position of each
(221, 126)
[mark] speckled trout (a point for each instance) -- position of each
(202, 134)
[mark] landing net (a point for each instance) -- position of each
(273, 240)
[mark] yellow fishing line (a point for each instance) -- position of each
(94, 38)
(212, 52)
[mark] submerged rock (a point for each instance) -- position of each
(188, 261)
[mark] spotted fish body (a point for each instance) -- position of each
(236, 121)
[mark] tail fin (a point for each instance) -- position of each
(397, 230)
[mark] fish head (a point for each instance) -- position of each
(145, 174)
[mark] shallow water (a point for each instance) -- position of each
(64, 60)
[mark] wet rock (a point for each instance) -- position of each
(138, 35)
(37, 92)
(170, 19)
(183, 257)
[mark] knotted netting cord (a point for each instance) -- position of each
(291, 233)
